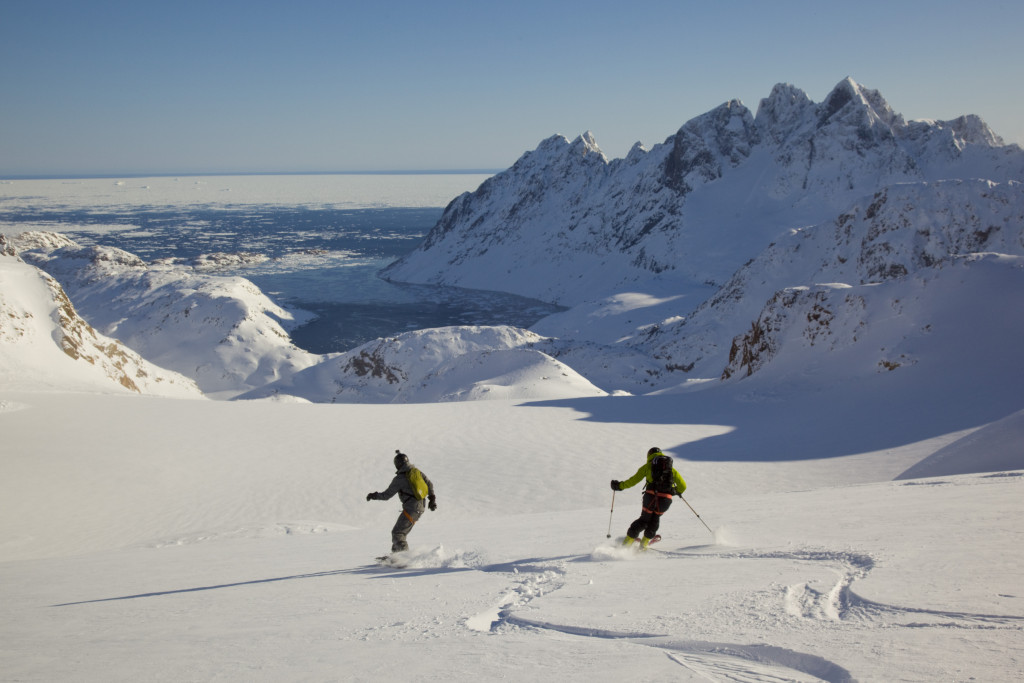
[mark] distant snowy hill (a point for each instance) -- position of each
(566, 225)
(45, 344)
(437, 365)
(223, 332)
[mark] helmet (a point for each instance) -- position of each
(653, 450)
(401, 461)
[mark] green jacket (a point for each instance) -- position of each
(645, 473)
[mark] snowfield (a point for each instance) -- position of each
(159, 539)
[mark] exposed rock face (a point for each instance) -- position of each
(904, 235)
(44, 340)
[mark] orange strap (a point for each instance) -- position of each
(657, 495)
(408, 516)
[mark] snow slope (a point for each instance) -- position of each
(233, 541)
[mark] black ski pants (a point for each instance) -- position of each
(655, 505)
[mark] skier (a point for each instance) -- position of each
(412, 487)
(663, 482)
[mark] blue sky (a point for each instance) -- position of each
(95, 87)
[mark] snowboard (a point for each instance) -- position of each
(391, 561)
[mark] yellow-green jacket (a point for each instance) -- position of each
(678, 485)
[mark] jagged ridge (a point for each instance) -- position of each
(565, 224)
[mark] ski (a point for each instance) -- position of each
(636, 545)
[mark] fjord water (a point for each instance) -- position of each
(311, 243)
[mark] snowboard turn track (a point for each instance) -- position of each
(811, 604)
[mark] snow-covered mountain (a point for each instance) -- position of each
(45, 344)
(564, 224)
(223, 332)
(882, 270)
(834, 234)
(435, 365)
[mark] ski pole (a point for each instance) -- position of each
(610, 516)
(694, 512)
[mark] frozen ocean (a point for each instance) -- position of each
(310, 242)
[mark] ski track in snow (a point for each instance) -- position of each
(838, 604)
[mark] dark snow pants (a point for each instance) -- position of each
(411, 513)
(655, 505)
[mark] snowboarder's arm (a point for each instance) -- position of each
(636, 478)
(431, 498)
(396, 486)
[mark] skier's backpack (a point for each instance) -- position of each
(419, 485)
(661, 474)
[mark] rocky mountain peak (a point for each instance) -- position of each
(702, 148)
(564, 224)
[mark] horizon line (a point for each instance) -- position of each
(193, 174)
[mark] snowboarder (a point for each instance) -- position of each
(415, 491)
(663, 482)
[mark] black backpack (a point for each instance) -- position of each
(661, 474)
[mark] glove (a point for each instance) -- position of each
(615, 485)
(371, 496)
(432, 504)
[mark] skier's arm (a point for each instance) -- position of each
(635, 479)
(679, 483)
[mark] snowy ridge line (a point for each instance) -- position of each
(656, 215)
